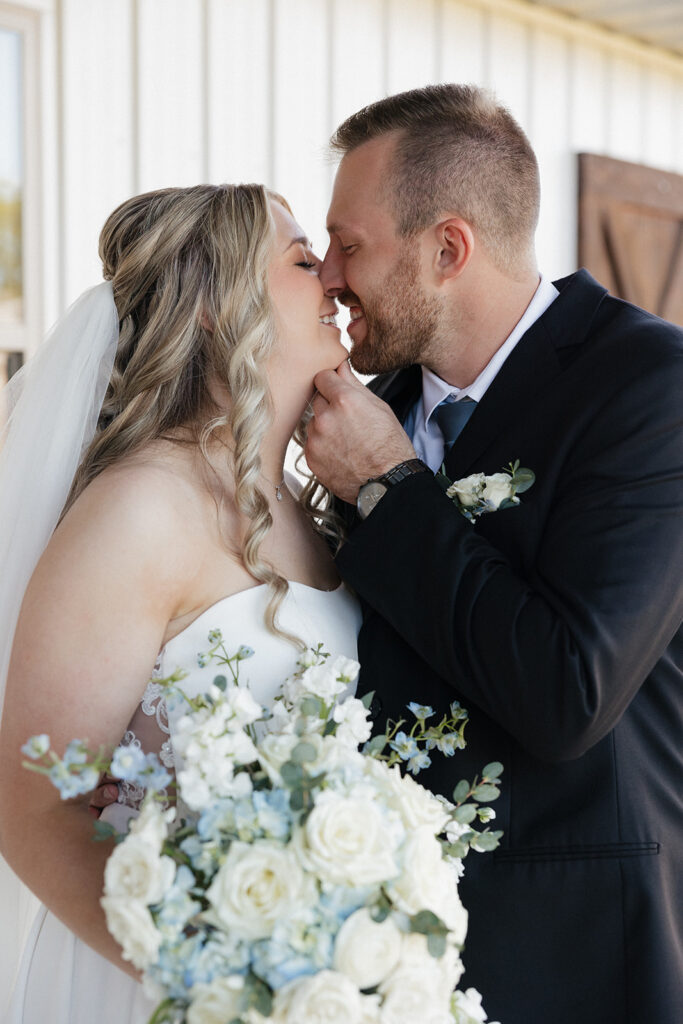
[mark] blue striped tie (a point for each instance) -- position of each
(451, 418)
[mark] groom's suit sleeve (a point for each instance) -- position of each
(553, 648)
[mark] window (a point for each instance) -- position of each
(20, 278)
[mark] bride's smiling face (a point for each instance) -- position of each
(306, 343)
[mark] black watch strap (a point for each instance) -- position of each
(404, 469)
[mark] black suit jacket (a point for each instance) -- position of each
(558, 625)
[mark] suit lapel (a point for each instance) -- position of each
(528, 370)
(400, 389)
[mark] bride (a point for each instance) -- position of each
(194, 362)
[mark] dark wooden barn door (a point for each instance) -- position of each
(631, 232)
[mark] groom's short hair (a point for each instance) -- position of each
(458, 151)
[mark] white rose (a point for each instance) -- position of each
(367, 951)
(131, 924)
(468, 490)
(416, 805)
(444, 971)
(217, 1002)
(351, 839)
(135, 870)
(413, 993)
(323, 998)
(257, 884)
(428, 882)
(322, 681)
(498, 487)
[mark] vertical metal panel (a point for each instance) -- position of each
(588, 125)
(239, 90)
(301, 110)
(625, 109)
(411, 44)
(550, 88)
(509, 66)
(659, 144)
(358, 56)
(463, 43)
(170, 142)
(95, 123)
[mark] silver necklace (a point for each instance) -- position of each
(278, 492)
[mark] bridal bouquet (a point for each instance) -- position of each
(297, 880)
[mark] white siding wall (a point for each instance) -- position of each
(158, 92)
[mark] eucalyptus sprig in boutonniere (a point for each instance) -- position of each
(476, 494)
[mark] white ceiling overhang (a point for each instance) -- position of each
(659, 22)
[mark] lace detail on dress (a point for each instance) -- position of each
(152, 705)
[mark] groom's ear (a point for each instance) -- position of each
(454, 248)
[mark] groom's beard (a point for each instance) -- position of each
(400, 321)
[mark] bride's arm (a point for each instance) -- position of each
(92, 623)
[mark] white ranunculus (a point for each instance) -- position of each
(468, 490)
(367, 951)
(135, 870)
(351, 839)
(131, 924)
(428, 882)
(257, 884)
(468, 1007)
(151, 824)
(243, 707)
(217, 1002)
(353, 726)
(416, 805)
(498, 487)
(324, 998)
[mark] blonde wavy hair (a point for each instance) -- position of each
(189, 270)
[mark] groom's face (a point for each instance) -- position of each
(372, 270)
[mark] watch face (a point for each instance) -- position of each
(369, 495)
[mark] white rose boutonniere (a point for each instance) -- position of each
(476, 494)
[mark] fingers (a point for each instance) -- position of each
(103, 796)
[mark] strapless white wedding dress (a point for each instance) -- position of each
(63, 981)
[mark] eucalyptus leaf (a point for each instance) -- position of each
(104, 830)
(291, 773)
(487, 841)
(523, 479)
(312, 706)
(492, 770)
(461, 791)
(367, 699)
(297, 800)
(221, 682)
(436, 944)
(330, 728)
(426, 922)
(375, 746)
(486, 792)
(465, 814)
(303, 752)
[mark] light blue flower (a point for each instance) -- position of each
(36, 746)
(418, 762)
(72, 784)
(215, 636)
(449, 743)
(154, 775)
(421, 711)
(273, 812)
(404, 745)
(127, 763)
(75, 753)
(203, 660)
(245, 652)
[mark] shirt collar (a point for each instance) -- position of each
(435, 389)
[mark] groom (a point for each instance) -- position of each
(557, 623)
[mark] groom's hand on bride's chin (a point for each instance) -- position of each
(353, 435)
(107, 793)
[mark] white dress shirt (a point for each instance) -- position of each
(426, 436)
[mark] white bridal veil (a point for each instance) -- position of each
(51, 408)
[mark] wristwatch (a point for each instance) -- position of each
(373, 490)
